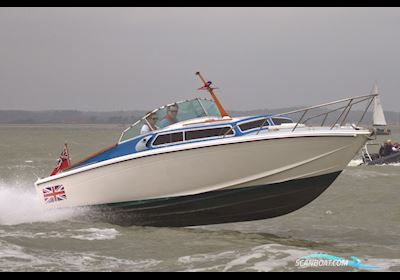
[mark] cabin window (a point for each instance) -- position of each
(168, 138)
(205, 133)
(253, 124)
(279, 121)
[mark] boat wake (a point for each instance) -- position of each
(355, 163)
(390, 164)
(19, 205)
(359, 162)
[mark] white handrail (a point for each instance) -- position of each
(327, 104)
(346, 110)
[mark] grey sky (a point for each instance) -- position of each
(141, 58)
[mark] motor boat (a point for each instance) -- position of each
(189, 163)
(377, 158)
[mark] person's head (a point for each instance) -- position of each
(172, 110)
(152, 119)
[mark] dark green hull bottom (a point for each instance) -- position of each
(226, 206)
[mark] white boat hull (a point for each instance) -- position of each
(195, 169)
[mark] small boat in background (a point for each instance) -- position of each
(388, 153)
(379, 120)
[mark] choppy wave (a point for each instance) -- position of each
(20, 204)
(366, 173)
(264, 258)
(261, 258)
(20, 259)
(89, 234)
(95, 234)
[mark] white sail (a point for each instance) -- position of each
(379, 116)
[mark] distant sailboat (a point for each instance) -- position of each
(379, 126)
(379, 120)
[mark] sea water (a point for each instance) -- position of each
(359, 215)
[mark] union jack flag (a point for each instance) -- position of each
(54, 194)
(207, 86)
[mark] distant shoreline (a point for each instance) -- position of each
(125, 118)
(110, 125)
(64, 125)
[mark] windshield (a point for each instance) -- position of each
(170, 114)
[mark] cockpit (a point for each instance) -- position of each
(170, 114)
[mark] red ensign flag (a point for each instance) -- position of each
(63, 161)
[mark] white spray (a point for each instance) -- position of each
(19, 204)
